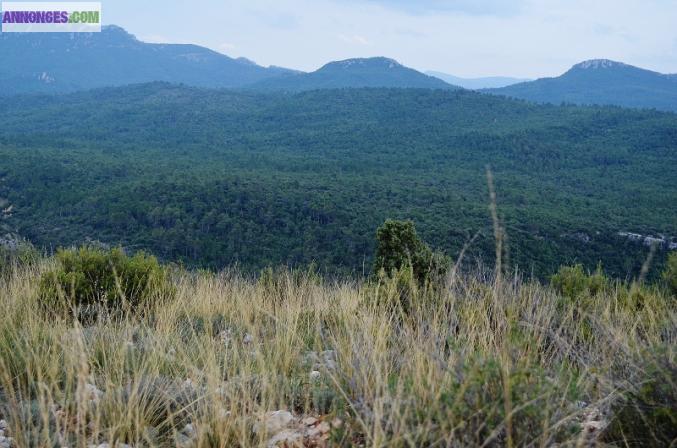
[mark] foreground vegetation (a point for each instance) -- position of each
(289, 357)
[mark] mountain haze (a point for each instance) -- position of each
(601, 81)
(490, 82)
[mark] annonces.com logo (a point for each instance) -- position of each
(50, 17)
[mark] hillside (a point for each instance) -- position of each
(601, 82)
(355, 73)
(64, 62)
(216, 177)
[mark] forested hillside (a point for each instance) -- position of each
(212, 177)
(600, 81)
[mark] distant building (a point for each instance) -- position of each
(661, 241)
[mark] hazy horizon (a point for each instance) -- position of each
(515, 38)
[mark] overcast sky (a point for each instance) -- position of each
(522, 38)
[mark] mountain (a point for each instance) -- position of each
(354, 73)
(64, 62)
(477, 83)
(67, 62)
(601, 81)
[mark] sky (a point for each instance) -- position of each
(468, 38)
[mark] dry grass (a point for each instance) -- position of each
(472, 364)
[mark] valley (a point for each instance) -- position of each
(216, 177)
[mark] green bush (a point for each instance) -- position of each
(646, 414)
(670, 273)
(475, 404)
(88, 279)
(574, 283)
(19, 253)
(398, 246)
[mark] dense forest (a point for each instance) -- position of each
(216, 177)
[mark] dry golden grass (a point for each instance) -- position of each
(472, 363)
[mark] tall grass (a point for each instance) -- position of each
(475, 361)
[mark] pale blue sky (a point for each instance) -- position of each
(524, 38)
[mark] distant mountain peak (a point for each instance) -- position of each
(356, 73)
(113, 28)
(117, 30)
(246, 61)
(601, 81)
(596, 64)
(379, 61)
(64, 62)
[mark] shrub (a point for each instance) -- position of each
(670, 273)
(574, 283)
(646, 414)
(16, 253)
(398, 246)
(88, 278)
(399, 288)
(475, 403)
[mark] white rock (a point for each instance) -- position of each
(189, 384)
(330, 364)
(92, 392)
(325, 359)
(287, 439)
(151, 433)
(183, 441)
(274, 422)
(189, 430)
(324, 427)
(313, 432)
(329, 357)
(226, 336)
(311, 358)
(592, 426)
(315, 375)
(309, 421)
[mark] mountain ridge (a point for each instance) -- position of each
(376, 71)
(65, 62)
(602, 82)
